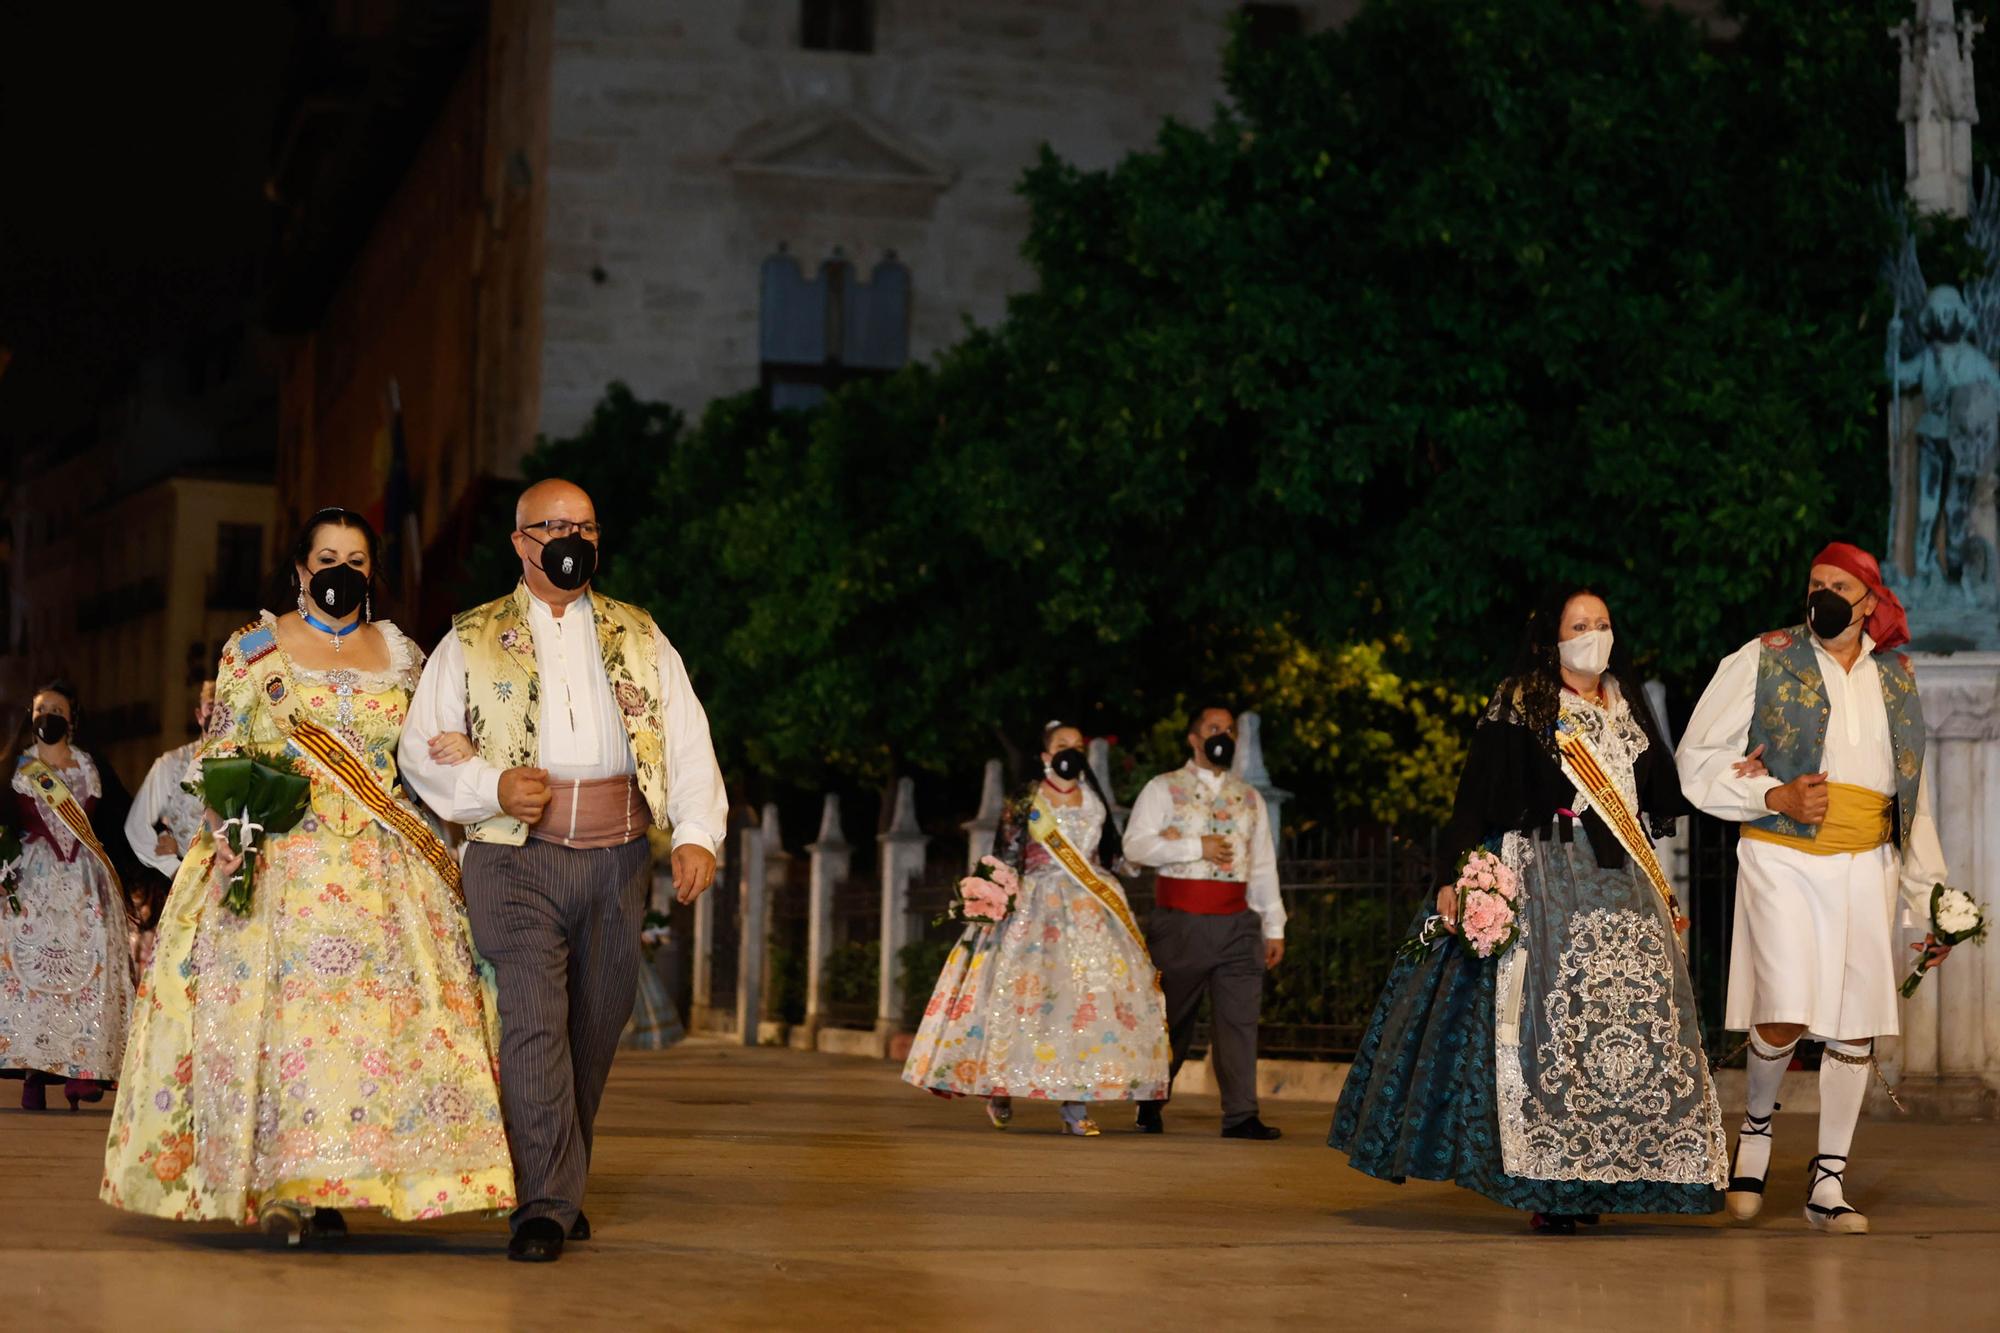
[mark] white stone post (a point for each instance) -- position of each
(771, 1027)
(701, 953)
(902, 859)
(1947, 1062)
(753, 910)
(831, 860)
(1249, 766)
(979, 830)
(1672, 850)
(1098, 755)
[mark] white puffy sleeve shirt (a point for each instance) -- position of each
(1859, 752)
(580, 733)
(1147, 844)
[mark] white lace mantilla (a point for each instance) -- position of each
(1614, 734)
(1617, 1095)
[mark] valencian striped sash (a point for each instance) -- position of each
(51, 792)
(353, 777)
(1043, 829)
(1582, 766)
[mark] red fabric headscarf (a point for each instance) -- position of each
(1888, 624)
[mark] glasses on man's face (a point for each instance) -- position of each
(558, 528)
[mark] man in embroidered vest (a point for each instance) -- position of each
(1217, 923)
(1840, 822)
(585, 731)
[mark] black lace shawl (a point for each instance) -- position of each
(1010, 840)
(1513, 782)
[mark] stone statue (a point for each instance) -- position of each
(1938, 107)
(1944, 529)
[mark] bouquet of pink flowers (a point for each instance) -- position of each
(1488, 924)
(1487, 890)
(986, 895)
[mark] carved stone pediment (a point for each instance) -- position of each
(835, 146)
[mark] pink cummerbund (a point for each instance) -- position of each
(593, 812)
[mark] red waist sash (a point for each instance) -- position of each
(1203, 897)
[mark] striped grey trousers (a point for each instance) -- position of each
(560, 925)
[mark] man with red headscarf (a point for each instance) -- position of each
(1840, 822)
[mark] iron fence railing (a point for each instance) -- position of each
(854, 959)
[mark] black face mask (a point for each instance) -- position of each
(568, 562)
(1220, 749)
(1828, 613)
(337, 591)
(50, 728)
(1067, 764)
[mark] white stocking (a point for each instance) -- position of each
(1843, 1082)
(1766, 1071)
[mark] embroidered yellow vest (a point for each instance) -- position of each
(503, 695)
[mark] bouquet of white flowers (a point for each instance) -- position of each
(1955, 919)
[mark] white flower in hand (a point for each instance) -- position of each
(1956, 912)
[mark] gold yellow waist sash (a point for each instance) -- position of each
(1857, 820)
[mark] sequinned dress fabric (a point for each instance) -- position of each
(65, 979)
(337, 1046)
(1059, 1000)
(1568, 1075)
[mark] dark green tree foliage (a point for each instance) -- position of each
(1464, 297)
(1453, 300)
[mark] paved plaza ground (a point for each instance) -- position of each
(771, 1189)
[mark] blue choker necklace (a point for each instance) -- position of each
(338, 633)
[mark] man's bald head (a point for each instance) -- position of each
(541, 503)
(553, 498)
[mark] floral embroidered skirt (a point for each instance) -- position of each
(656, 1021)
(1566, 1077)
(1057, 1001)
(65, 970)
(334, 1048)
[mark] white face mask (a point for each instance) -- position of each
(1587, 653)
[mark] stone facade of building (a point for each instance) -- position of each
(689, 142)
(601, 186)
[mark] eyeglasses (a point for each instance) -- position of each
(558, 528)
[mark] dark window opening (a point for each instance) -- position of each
(1266, 25)
(838, 25)
(815, 334)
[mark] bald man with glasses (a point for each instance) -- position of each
(558, 725)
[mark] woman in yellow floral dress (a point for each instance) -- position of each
(335, 1047)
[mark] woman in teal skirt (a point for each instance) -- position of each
(1565, 1076)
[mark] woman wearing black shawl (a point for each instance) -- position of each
(1565, 1075)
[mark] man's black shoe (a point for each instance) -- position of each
(1253, 1128)
(1150, 1121)
(539, 1240)
(580, 1229)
